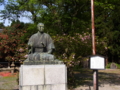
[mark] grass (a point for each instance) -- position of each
(81, 77)
(8, 82)
(108, 65)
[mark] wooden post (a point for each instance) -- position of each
(93, 28)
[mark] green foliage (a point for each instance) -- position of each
(66, 16)
(1, 25)
(59, 16)
(107, 28)
(30, 29)
(108, 65)
(118, 66)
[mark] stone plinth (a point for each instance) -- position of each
(43, 77)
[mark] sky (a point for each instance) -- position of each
(8, 22)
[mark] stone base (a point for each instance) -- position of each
(45, 87)
(56, 61)
(43, 77)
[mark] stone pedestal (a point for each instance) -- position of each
(43, 77)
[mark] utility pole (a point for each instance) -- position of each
(95, 72)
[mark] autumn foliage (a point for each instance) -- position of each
(11, 46)
(3, 36)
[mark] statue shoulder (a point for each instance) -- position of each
(34, 35)
(47, 35)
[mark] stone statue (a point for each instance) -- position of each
(41, 47)
(41, 42)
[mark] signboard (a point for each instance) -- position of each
(97, 62)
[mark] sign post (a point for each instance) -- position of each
(97, 62)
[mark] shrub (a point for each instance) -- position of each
(71, 49)
(12, 49)
(78, 44)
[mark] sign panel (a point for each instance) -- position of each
(97, 62)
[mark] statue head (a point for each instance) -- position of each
(40, 27)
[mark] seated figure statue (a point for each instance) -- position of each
(41, 47)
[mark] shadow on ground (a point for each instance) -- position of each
(84, 77)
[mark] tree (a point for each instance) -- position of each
(107, 28)
(1, 2)
(1, 25)
(66, 16)
(11, 12)
(61, 16)
(73, 16)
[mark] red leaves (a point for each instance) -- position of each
(3, 36)
(13, 45)
(10, 47)
(5, 74)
